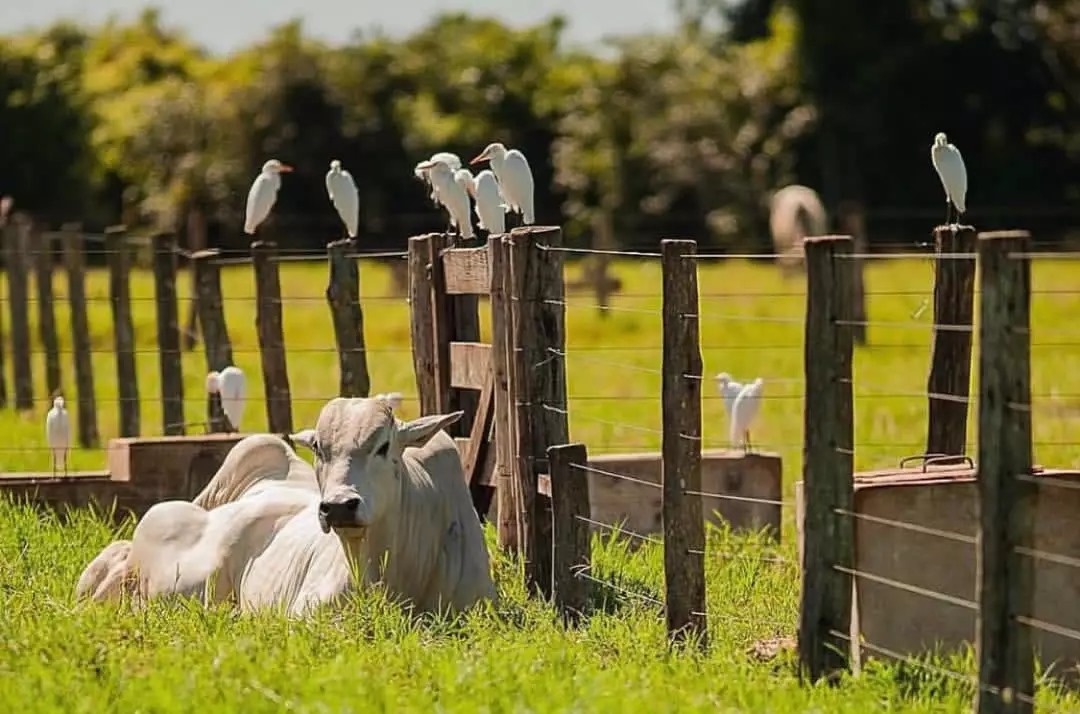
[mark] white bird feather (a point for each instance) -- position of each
(451, 195)
(58, 433)
(231, 384)
(450, 159)
(490, 209)
(341, 189)
(950, 168)
(263, 194)
(729, 389)
(515, 179)
(744, 410)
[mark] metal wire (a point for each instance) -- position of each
(618, 529)
(907, 587)
(742, 499)
(612, 474)
(903, 525)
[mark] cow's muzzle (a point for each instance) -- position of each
(339, 514)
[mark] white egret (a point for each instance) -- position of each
(950, 168)
(450, 194)
(58, 433)
(515, 178)
(490, 208)
(263, 194)
(231, 385)
(464, 178)
(743, 411)
(729, 389)
(450, 159)
(343, 194)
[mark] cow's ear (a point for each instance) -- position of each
(305, 438)
(419, 430)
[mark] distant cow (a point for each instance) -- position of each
(795, 212)
(388, 497)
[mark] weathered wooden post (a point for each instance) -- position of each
(168, 334)
(423, 317)
(215, 334)
(343, 296)
(80, 332)
(50, 341)
(570, 507)
(950, 368)
(507, 494)
(18, 287)
(1007, 493)
(119, 253)
(539, 381)
(828, 463)
(268, 319)
(684, 522)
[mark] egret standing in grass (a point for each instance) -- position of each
(743, 411)
(950, 168)
(230, 385)
(515, 178)
(263, 194)
(450, 159)
(343, 194)
(450, 194)
(490, 209)
(58, 433)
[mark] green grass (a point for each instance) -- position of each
(514, 657)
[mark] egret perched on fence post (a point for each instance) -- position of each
(263, 194)
(343, 194)
(729, 389)
(950, 168)
(743, 411)
(58, 433)
(490, 209)
(515, 178)
(450, 159)
(451, 194)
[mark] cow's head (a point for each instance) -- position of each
(358, 445)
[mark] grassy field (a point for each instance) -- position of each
(514, 656)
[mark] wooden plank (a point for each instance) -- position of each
(464, 321)
(684, 527)
(74, 258)
(15, 247)
(470, 364)
(1006, 579)
(467, 271)
(119, 250)
(828, 465)
(423, 336)
(569, 489)
(168, 335)
(950, 367)
(50, 341)
(473, 458)
(268, 321)
(343, 297)
(506, 511)
(441, 324)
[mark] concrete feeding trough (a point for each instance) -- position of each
(918, 526)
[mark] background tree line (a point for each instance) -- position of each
(682, 134)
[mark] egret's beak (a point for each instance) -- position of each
(424, 166)
(481, 157)
(285, 168)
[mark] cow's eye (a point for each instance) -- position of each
(381, 451)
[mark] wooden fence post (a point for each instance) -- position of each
(441, 325)
(215, 334)
(268, 319)
(80, 332)
(119, 254)
(539, 381)
(168, 334)
(506, 485)
(343, 296)
(1007, 492)
(684, 522)
(569, 507)
(949, 382)
(828, 464)
(50, 342)
(18, 287)
(423, 337)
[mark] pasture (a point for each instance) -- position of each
(514, 656)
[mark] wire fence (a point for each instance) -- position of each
(878, 372)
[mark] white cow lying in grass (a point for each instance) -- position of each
(386, 495)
